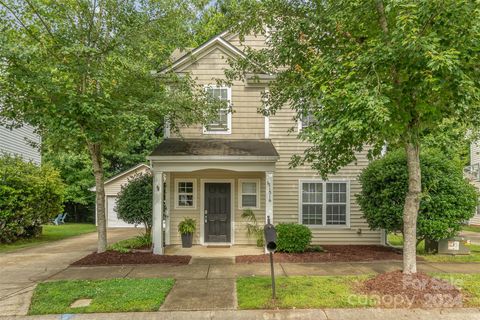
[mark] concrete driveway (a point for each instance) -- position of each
(21, 270)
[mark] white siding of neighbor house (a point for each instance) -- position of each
(17, 142)
(474, 153)
(249, 124)
(475, 160)
(475, 220)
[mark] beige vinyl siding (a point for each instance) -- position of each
(17, 142)
(112, 188)
(177, 215)
(286, 186)
(256, 42)
(247, 123)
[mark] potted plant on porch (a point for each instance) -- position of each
(187, 228)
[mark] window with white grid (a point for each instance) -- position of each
(185, 193)
(336, 203)
(312, 200)
(222, 122)
(324, 203)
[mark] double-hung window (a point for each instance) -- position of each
(222, 120)
(305, 121)
(249, 193)
(185, 193)
(324, 203)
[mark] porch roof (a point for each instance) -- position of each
(252, 149)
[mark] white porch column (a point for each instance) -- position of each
(168, 210)
(157, 225)
(269, 196)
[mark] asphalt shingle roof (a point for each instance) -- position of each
(215, 147)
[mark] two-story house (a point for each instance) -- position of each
(241, 161)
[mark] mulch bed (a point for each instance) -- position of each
(396, 290)
(116, 258)
(334, 253)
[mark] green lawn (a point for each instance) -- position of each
(397, 240)
(113, 295)
(127, 245)
(471, 228)
(470, 284)
(301, 292)
(50, 233)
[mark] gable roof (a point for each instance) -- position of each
(191, 56)
(124, 173)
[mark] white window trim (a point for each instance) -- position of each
(194, 206)
(300, 124)
(240, 193)
(324, 203)
(229, 115)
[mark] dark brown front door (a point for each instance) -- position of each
(217, 212)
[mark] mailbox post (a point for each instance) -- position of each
(271, 245)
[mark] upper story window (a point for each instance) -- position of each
(306, 121)
(222, 123)
(324, 203)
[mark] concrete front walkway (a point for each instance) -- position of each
(307, 314)
(21, 270)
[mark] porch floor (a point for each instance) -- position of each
(212, 251)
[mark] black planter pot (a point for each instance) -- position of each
(187, 240)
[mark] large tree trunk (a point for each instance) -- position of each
(410, 211)
(96, 155)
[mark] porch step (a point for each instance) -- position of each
(219, 246)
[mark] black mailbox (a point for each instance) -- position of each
(270, 236)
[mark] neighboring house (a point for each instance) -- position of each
(19, 141)
(473, 173)
(241, 161)
(112, 188)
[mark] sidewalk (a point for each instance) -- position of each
(226, 269)
(308, 314)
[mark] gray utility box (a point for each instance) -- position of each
(455, 245)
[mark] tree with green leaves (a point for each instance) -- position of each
(370, 73)
(448, 199)
(30, 196)
(81, 73)
(135, 202)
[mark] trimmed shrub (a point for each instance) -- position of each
(447, 200)
(135, 201)
(292, 237)
(29, 197)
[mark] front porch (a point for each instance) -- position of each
(212, 182)
(213, 251)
